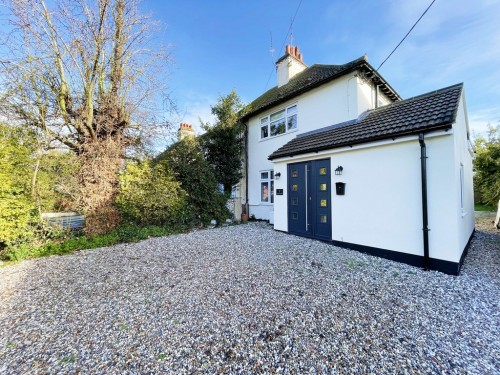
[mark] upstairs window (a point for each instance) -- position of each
(279, 122)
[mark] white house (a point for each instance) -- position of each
(334, 153)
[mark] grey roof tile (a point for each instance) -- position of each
(431, 111)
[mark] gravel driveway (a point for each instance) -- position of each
(247, 299)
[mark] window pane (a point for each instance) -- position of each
(272, 175)
(295, 201)
(292, 122)
(322, 219)
(272, 191)
(264, 191)
(264, 175)
(322, 171)
(323, 203)
(294, 187)
(278, 127)
(291, 110)
(294, 173)
(264, 120)
(295, 215)
(277, 115)
(264, 131)
(322, 187)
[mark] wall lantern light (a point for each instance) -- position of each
(339, 170)
(277, 175)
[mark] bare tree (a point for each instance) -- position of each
(81, 72)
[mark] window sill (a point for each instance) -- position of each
(279, 135)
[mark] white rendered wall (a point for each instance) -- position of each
(326, 105)
(367, 95)
(463, 149)
(382, 205)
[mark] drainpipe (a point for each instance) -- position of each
(246, 166)
(425, 218)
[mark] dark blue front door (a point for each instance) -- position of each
(309, 199)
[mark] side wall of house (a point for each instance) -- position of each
(463, 165)
(382, 205)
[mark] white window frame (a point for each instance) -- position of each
(266, 178)
(266, 122)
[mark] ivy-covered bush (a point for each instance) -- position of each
(151, 196)
(196, 177)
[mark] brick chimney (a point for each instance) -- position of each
(289, 65)
(185, 130)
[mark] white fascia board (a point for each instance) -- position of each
(386, 142)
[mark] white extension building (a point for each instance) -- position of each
(334, 153)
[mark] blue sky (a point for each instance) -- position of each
(221, 45)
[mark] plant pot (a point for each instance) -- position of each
(244, 218)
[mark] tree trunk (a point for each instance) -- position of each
(98, 175)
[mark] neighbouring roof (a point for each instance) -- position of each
(432, 111)
(313, 77)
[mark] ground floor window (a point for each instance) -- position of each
(267, 186)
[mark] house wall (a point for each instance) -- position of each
(326, 105)
(367, 95)
(463, 156)
(382, 205)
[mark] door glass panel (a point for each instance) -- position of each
(294, 187)
(295, 215)
(294, 173)
(272, 191)
(322, 171)
(295, 201)
(264, 175)
(323, 203)
(322, 187)
(322, 218)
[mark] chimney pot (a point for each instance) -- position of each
(287, 49)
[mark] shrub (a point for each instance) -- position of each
(17, 210)
(150, 196)
(195, 174)
(487, 165)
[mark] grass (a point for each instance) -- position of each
(124, 234)
(484, 207)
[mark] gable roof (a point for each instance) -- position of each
(313, 77)
(432, 111)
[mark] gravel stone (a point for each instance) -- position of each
(248, 299)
